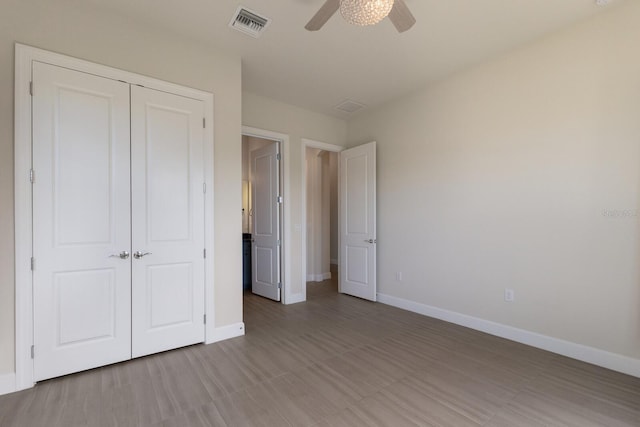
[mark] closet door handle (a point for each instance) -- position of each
(121, 255)
(138, 254)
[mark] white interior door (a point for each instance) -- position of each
(265, 192)
(81, 221)
(358, 221)
(167, 193)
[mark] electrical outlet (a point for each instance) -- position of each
(399, 276)
(509, 295)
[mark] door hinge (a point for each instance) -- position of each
(31, 88)
(204, 122)
(204, 252)
(33, 351)
(205, 319)
(278, 156)
(278, 242)
(279, 285)
(33, 263)
(32, 176)
(279, 199)
(204, 187)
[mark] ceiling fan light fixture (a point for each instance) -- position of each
(365, 12)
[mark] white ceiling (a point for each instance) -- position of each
(371, 65)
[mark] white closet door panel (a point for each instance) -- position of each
(81, 216)
(167, 220)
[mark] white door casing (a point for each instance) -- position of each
(87, 311)
(266, 243)
(81, 221)
(167, 193)
(28, 272)
(358, 221)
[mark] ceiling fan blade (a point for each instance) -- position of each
(401, 16)
(322, 16)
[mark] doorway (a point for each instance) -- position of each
(321, 220)
(262, 216)
(320, 204)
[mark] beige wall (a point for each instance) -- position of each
(313, 209)
(521, 173)
(264, 113)
(318, 207)
(333, 190)
(73, 29)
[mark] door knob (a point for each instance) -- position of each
(138, 254)
(371, 241)
(121, 255)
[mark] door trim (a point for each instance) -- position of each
(287, 296)
(24, 56)
(310, 143)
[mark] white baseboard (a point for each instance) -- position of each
(318, 277)
(7, 383)
(595, 356)
(225, 332)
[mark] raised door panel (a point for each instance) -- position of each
(167, 221)
(81, 217)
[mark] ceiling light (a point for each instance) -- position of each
(365, 12)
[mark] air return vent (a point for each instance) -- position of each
(249, 22)
(349, 106)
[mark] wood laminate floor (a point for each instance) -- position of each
(336, 361)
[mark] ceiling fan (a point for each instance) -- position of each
(364, 12)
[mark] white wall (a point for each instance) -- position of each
(522, 173)
(72, 28)
(267, 114)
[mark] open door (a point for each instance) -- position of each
(266, 202)
(358, 221)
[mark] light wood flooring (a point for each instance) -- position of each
(336, 361)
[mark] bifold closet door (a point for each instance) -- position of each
(81, 221)
(167, 194)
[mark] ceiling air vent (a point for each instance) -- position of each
(249, 22)
(349, 106)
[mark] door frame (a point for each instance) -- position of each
(24, 56)
(310, 143)
(286, 296)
